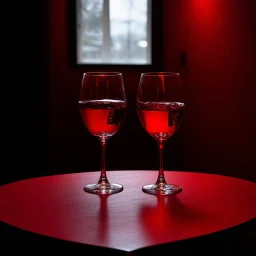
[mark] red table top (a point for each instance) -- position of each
(57, 206)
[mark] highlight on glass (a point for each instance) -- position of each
(160, 107)
(102, 105)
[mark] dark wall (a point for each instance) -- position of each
(27, 83)
(72, 148)
(46, 134)
(219, 39)
(51, 137)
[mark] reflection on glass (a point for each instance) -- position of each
(114, 31)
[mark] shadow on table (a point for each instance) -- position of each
(164, 218)
(239, 240)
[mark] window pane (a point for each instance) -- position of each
(114, 32)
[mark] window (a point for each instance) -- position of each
(115, 32)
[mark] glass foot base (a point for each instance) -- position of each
(110, 188)
(165, 189)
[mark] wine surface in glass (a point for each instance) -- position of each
(102, 117)
(160, 119)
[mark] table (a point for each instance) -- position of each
(131, 221)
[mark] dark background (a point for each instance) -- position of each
(45, 132)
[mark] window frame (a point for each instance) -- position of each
(156, 40)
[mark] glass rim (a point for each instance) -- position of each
(160, 74)
(107, 73)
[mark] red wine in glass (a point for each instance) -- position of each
(102, 117)
(102, 105)
(160, 108)
(160, 119)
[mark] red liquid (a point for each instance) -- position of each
(102, 117)
(160, 119)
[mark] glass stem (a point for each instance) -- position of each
(161, 180)
(103, 176)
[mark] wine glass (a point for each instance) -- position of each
(160, 109)
(102, 105)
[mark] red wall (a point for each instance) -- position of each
(218, 37)
(217, 134)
